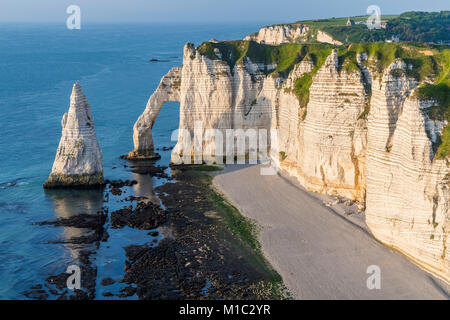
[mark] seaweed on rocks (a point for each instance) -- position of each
(198, 257)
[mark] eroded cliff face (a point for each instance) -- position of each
(278, 34)
(78, 161)
(211, 94)
(408, 194)
(362, 134)
(325, 147)
(290, 33)
(168, 90)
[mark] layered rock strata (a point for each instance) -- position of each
(78, 161)
(168, 90)
(362, 134)
(408, 188)
(326, 147)
(278, 34)
(290, 33)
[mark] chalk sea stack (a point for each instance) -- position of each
(78, 161)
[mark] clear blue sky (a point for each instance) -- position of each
(204, 10)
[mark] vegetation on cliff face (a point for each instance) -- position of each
(381, 55)
(283, 57)
(425, 63)
(234, 52)
(317, 54)
(439, 92)
(444, 149)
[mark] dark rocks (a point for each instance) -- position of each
(157, 60)
(133, 198)
(107, 282)
(153, 233)
(75, 181)
(56, 285)
(93, 222)
(36, 287)
(115, 191)
(195, 261)
(136, 156)
(145, 216)
(154, 171)
(165, 148)
(192, 261)
(121, 183)
(116, 185)
(128, 291)
(82, 220)
(36, 294)
(107, 294)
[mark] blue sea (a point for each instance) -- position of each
(38, 65)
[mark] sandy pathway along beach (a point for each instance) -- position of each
(320, 254)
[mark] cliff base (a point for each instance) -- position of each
(79, 181)
(139, 155)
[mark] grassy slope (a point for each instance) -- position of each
(285, 56)
(439, 91)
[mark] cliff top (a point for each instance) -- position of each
(426, 63)
(283, 56)
(427, 27)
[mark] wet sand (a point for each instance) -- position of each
(320, 253)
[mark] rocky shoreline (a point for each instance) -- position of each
(198, 247)
(203, 256)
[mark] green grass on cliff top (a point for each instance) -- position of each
(284, 56)
(408, 26)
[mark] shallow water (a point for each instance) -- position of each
(38, 66)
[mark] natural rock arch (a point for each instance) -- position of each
(168, 90)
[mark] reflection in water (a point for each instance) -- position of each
(144, 187)
(70, 203)
(83, 208)
(82, 245)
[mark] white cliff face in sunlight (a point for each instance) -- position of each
(78, 161)
(278, 34)
(168, 90)
(367, 140)
(289, 33)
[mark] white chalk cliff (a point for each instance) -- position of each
(362, 135)
(290, 33)
(78, 161)
(168, 90)
(278, 34)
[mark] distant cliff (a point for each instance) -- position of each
(290, 33)
(369, 122)
(431, 27)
